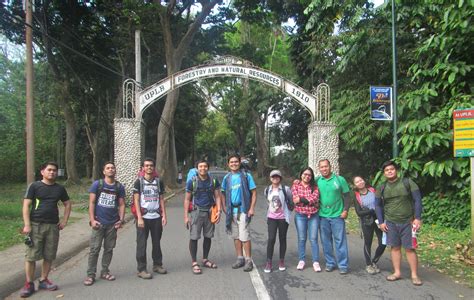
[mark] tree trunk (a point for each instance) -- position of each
(262, 147)
(70, 151)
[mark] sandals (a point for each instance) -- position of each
(209, 264)
(393, 277)
(196, 269)
(416, 281)
(89, 281)
(108, 277)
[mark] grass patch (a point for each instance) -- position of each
(436, 249)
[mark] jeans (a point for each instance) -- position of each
(154, 227)
(305, 226)
(273, 226)
(107, 234)
(334, 229)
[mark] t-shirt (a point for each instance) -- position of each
(368, 200)
(150, 196)
(275, 205)
(330, 195)
(45, 199)
(235, 188)
(204, 194)
(106, 210)
(397, 201)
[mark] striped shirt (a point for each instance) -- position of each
(298, 189)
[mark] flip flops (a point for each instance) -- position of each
(416, 281)
(393, 277)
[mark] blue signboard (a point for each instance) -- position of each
(381, 103)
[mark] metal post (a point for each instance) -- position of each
(394, 74)
(138, 69)
(30, 142)
(472, 199)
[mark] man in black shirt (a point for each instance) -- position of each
(41, 218)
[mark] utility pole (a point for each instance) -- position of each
(394, 75)
(138, 69)
(30, 142)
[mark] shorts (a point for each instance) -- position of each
(200, 221)
(399, 235)
(240, 228)
(45, 242)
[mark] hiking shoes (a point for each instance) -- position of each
(370, 269)
(27, 290)
(268, 267)
(281, 265)
(47, 284)
(316, 267)
(159, 269)
(144, 275)
(376, 268)
(248, 266)
(239, 263)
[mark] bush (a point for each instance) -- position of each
(449, 210)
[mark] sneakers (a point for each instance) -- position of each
(268, 267)
(27, 290)
(329, 269)
(316, 267)
(300, 265)
(376, 268)
(144, 275)
(239, 263)
(159, 269)
(281, 265)
(47, 284)
(248, 266)
(343, 271)
(370, 269)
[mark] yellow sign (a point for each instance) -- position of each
(463, 132)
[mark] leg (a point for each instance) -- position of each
(95, 244)
(238, 248)
(368, 234)
(301, 223)
(326, 239)
(313, 226)
(272, 225)
(30, 267)
(193, 249)
(396, 254)
(46, 267)
(156, 231)
(110, 239)
(282, 231)
(142, 237)
(206, 247)
(247, 249)
(340, 243)
(412, 259)
(380, 248)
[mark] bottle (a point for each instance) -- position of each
(414, 241)
(384, 234)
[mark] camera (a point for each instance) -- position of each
(29, 241)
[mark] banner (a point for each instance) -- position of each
(463, 120)
(381, 103)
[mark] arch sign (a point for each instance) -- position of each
(226, 66)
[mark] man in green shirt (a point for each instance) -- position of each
(398, 208)
(334, 202)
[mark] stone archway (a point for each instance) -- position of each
(128, 130)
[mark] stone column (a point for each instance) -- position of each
(129, 151)
(323, 142)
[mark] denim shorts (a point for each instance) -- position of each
(399, 235)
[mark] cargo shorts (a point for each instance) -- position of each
(45, 242)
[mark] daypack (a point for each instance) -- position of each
(210, 189)
(289, 204)
(133, 209)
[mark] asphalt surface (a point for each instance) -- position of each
(226, 283)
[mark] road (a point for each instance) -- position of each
(226, 283)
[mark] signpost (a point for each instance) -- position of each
(463, 120)
(381, 103)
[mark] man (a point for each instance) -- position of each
(334, 204)
(106, 214)
(398, 208)
(151, 217)
(240, 195)
(42, 226)
(203, 192)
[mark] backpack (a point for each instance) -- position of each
(133, 209)
(211, 189)
(405, 182)
(289, 204)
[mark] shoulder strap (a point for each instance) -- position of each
(357, 196)
(283, 187)
(382, 189)
(266, 191)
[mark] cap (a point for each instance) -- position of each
(275, 173)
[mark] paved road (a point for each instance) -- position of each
(225, 283)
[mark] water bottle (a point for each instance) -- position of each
(384, 234)
(414, 241)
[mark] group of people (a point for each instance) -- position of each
(320, 204)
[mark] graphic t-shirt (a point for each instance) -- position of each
(45, 199)
(150, 196)
(275, 206)
(204, 194)
(106, 209)
(236, 189)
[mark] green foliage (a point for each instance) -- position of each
(450, 210)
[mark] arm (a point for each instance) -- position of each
(360, 211)
(294, 192)
(121, 213)
(136, 202)
(67, 213)
(253, 201)
(379, 213)
(26, 215)
(92, 221)
(163, 210)
(416, 195)
(187, 199)
(217, 197)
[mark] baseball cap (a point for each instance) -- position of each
(275, 173)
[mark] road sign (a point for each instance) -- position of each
(381, 103)
(463, 132)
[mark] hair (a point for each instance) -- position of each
(232, 156)
(353, 178)
(49, 163)
(107, 163)
(389, 163)
(311, 182)
(324, 159)
(202, 161)
(148, 159)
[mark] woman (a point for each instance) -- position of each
(280, 204)
(306, 199)
(365, 209)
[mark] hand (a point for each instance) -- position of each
(27, 229)
(383, 227)
(62, 225)
(140, 222)
(186, 222)
(218, 217)
(163, 221)
(118, 224)
(417, 224)
(344, 214)
(296, 199)
(250, 213)
(95, 224)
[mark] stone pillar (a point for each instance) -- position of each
(323, 142)
(129, 150)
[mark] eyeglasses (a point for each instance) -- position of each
(307, 174)
(149, 166)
